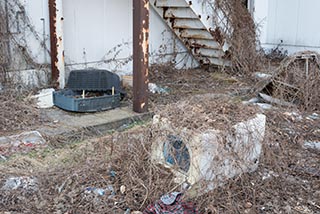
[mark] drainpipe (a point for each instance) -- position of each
(140, 55)
(56, 41)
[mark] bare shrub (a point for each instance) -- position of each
(297, 81)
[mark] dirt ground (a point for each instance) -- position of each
(64, 175)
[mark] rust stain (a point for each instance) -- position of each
(54, 42)
(217, 35)
(140, 55)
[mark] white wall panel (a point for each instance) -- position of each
(295, 22)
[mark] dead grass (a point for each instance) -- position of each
(287, 179)
(18, 111)
(186, 83)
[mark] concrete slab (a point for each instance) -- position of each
(63, 122)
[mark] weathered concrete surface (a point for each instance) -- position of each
(62, 122)
(216, 155)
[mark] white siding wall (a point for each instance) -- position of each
(98, 33)
(295, 22)
(30, 29)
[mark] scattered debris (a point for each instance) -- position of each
(274, 100)
(97, 191)
(100, 192)
(269, 174)
(262, 76)
(312, 145)
(264, 106)
(123, 189)
(145, 181)
(21, 142)
(303, 209)
(295, 82)
(3, 158)
(254, 100)
(26, 138)
(171, 203)
(294, 116)
(313, 116)
(24, 182)
(45, 98)
(153, 88)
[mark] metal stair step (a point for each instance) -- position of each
(195, 34)
(204, 43)
(188, 23)
(180, 13)
(214, 60)
(171, 3)
(206, 52)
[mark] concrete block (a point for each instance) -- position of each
(212, 156)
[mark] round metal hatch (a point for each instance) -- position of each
(176, 153)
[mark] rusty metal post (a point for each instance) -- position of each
(140, 55)
(56, 41)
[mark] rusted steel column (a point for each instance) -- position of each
(140, 55)
(56, 41)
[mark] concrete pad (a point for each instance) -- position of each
(63, 122)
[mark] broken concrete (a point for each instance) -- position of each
(215, 155)
(45, 98)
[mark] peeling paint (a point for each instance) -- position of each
(56, 41)
(140, 55)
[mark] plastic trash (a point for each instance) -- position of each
(171, 203)
(312, 145)
(313, 116)
(100, 191)
(153, 88)
(23, 182)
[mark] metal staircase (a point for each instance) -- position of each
(190, 29)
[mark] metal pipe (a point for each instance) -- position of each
(7, 36)
(44, 40)
(140, 55)
(57, 45)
